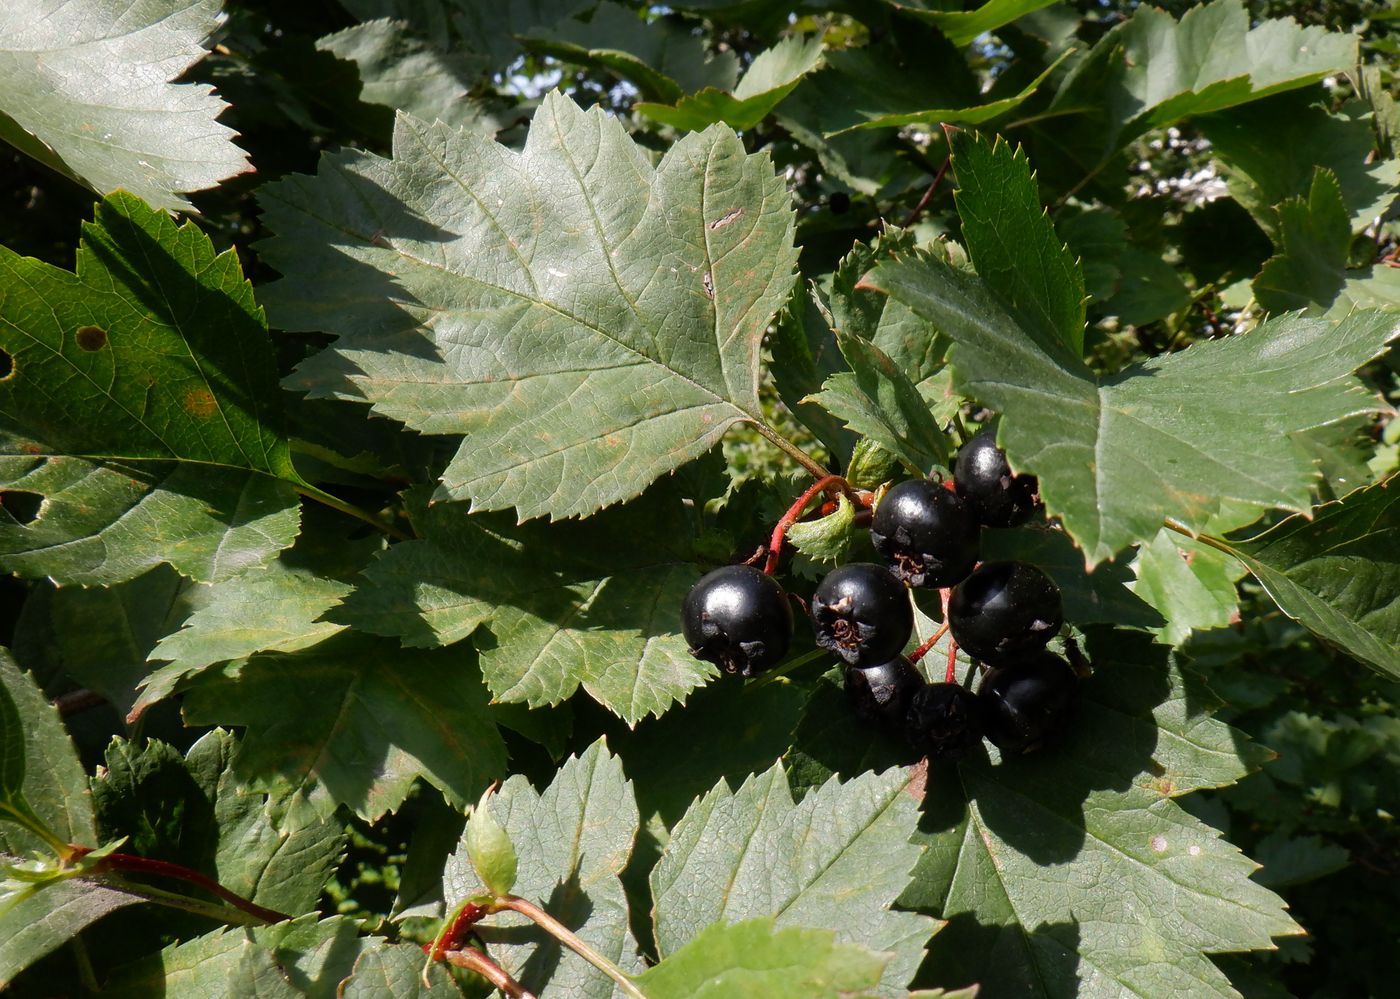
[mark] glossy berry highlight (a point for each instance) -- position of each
(983, 479)
(862, 613)
(881, 694)
(926, 533)
(1028, 703)
(1004, 610)
(737, 618)
(945, 721)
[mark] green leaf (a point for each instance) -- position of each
(770, 77)
(1116, 455)
(1151, 70)
(595, 604)
(37, 921)
(301, 958)
(1191, 584)
(399, 69)
(1272, 148)
(194, 810)
(866, 89)
(757, 853)
(354, 721)
(829, 538)
(878, 401)
(1338, 572)
(474, 289)
(495, 29)
(40, 776)
(152, 352)
(1033, 275)
(396, 971)
(805, 355)
(664, 58)
(86, 89)
(756, 958)
(1020, 851)
(573, 841)
(962, 27)
(102, 524)
(276, 608)
(1313, 237)
(490, 850)
(1292, 860)
(100, 636)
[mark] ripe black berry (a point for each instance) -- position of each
(881, 694)
(1004, 610)
(983, 478)
(944, 721)
(926, 533)
(738, 618)
(1028, 702)
(862, 613)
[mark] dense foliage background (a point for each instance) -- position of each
(274, 587)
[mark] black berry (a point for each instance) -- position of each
(738, 618)
(1029, 702)
(1004, 610)
(862, 613)
(881, 694)
(926, 533)
(944, 721)
(984, 480)
(840, 203)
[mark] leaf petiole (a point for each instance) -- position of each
(569, 939)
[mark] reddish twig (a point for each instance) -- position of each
(928, 194)
(478, 961)
(950, 675)
(922, 650)
(456, 935)
(165, 869)
(827, 482)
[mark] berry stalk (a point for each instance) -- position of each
(161, 868)
(824, 484)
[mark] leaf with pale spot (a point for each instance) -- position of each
(588, 320)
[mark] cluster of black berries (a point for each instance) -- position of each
(928, 534)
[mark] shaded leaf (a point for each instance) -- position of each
(770, 77)
(38, 920)
(1116, 455)
(754, 957)
(573, 841)
(1019, 850)
(962, 27)
(152, 352)
(589, 320)
(1338, 573)
(354, 721)
(85, 88)
(40, 776)
(194, 810)
(751, 853)
(595, 604)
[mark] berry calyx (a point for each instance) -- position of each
(881, 694)
(737, 618)
(1029, 702)
(1004, 610)
(983, 479)
(944, 721)
(862, 613)
(926, 533)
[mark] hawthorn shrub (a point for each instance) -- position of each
(360, 449)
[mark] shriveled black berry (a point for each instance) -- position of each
(984, 480)
(862, 613)
(1029, 702)
(737, 618)
(944, 721)
(1004, 610)
(926, 533)
(881, 694)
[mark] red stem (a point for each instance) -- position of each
(949, 676)
(478, 961)
(162, 868)
(928, 194)
(775, 543)
(922, 650)
(461, 926)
